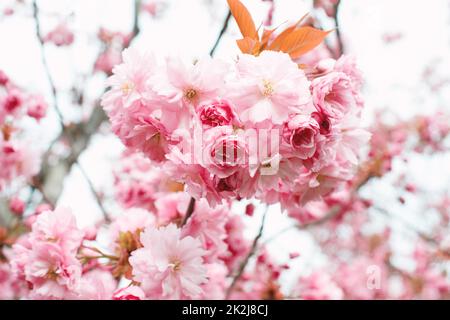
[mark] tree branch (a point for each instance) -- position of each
(94, 193)
(189, 211)
(221, 33)
(53, 171)
(45, 63)
(252, 251)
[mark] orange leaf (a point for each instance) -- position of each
(266, 36)
(302, 40)
(276, 44)
(243, 19)
(248, 45)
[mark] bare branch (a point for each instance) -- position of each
(221, 33)
(53, 171)
(252, 251)
(94, 192)
(189, 211)
(45, 64)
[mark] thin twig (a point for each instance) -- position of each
(45, 64)
(221, 33)
(94, 193)
(341, 48)
(51, 175)
(252, 251)
(189, 211)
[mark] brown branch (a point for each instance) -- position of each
(45, 64)
(189, 211)
(78, 136)
(221, 33)
(252, 251)
(94, 193)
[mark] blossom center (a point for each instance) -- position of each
(267, 88)
(175, 265)
(127, 87)
(190, 94)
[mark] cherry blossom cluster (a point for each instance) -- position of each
(192, 259)
(260, 127)
(17, 159)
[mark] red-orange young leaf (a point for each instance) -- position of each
(302, 40)
(248, 45)
(243, 19)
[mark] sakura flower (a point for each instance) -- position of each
(52, 272)
(218, 112)
(190, 84)
(208, 225)
(7, 289)
(37, 107)
(129, 293)
(58, 226)
(96, 285)
(169, 266)
(131, 220)
(268, 87)
(225, 151)
(333, 94)
(142, 132)
(60, 36)
(319, 286)
(129, 82)
(301, 133)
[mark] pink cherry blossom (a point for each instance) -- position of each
(319, 286)
(129, 293)
(58, 226)
(268, 87)
(172, 270)
(333, 94)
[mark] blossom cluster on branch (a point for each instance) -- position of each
(212, 146)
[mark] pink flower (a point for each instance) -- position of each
(333, 94)
(225, 151)
(190, 84)
(37, 107)
(216, 286)
(268, 87)
(169, 266)
(52, 272)
(60, 36)
(131, 220)
(12, 101)
(302, 133)
(107, 60)
(217, 112)
(208, 225)
(18, 160)
(58, 226)
(142, 132)
(129, 293)
(3, 78)
(17, 206)
(171, 207)
(96, 285)
(312, 211)
(129, 82)
(7, 288)
(319, 286)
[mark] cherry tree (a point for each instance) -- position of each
(211, 152)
